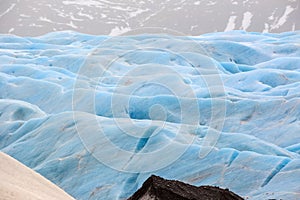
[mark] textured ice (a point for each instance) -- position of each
(220, 109)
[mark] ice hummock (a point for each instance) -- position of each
(90, 113)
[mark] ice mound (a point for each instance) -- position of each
(97, 115)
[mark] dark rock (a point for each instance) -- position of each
(157, 188)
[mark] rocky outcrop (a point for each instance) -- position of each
(157, 188)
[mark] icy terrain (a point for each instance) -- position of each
(192, 17)
(98, 115)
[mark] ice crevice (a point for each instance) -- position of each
(275, 171)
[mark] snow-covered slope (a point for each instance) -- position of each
(97, 115)
(20, 182)
(191, 17)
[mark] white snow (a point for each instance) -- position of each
(83, 3)
(71, 24)
(283, 18)
(8, 10)
(137, 12)
(211, 3)
(11, 30)
(266, 28)
(80, 13)
(231, 23)
(20, 182)
(45, 19)
(23, 15)
(246, 20)
(119, 30)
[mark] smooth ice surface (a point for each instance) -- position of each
(98, 115)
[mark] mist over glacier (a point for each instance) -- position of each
(97, 115)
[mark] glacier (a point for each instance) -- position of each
(97, 115)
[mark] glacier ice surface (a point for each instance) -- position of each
(97, 115)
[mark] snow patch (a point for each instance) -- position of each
(246, 20)
(8, 10)
(80, 13)
(119, 31)
(45, 19)
(288, 10)
(231, 23)
(11, 30)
